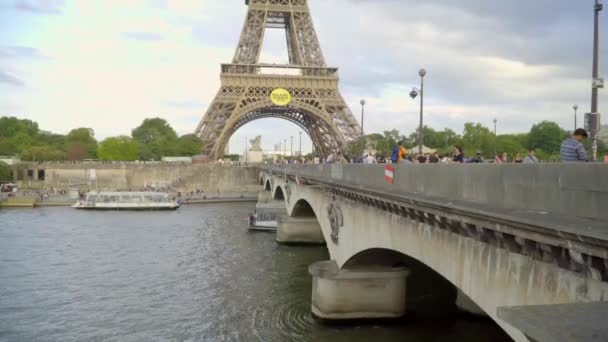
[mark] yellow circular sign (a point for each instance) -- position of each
(280, 97)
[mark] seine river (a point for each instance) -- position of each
(190, 275)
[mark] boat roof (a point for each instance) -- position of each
(126, 193)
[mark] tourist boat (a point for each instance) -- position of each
(127, 201)
(263, 226)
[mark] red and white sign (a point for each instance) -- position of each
(389, 174)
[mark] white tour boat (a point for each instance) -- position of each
(127, 201)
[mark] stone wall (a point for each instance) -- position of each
(185, 177)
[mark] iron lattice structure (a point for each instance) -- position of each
(316, 106)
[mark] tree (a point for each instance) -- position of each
(83, 137)
(42, 153)
(76, 152)
(10, 126)
(121, 148)
(509, 143)
(189, 145)
(156, 139)
(475, 138)
(547, 136)
(6, 174)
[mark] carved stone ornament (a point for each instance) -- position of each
(336, 220)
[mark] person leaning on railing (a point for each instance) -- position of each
(572, 149)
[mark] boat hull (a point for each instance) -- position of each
(127, 209)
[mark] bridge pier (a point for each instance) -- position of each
(370, 292)
(299, 231)
(270, 210)
(264, 197)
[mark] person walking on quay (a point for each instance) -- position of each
(572, 149)
(458, 155)
(531, 157)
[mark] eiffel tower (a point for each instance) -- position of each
(246, 85)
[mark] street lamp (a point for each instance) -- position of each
(413, 94)
(495, 152)
(575, 117)
(291, 153)
(285, 149)
(300, 144)
(597, 82)
(362, 116)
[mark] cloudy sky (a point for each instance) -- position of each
(108, 64)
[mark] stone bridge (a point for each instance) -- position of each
(504, 235)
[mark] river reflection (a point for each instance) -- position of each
(190, 275)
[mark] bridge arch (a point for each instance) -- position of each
(303, 209)
(309, 115)
(278, 194)
(268, 186)
(427, 288)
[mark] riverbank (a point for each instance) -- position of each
(51, 201)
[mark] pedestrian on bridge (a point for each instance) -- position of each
(531, 157)
(458, 155)
(572, 149)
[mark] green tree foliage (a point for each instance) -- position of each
(121, 148)
(24, 138)
(476, 138)
(10, 126)
(156, 139)
(189, 145)
(6, 174)
(510, 143)
(547, 136)
(84, 137)
(42, 153)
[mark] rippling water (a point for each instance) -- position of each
(190, 275)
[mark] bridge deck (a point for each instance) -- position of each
(583, 322)
(562, 225)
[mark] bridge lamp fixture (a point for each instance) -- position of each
(413, 94)
(575, 117)
(362, 115)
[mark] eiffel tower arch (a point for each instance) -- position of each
(246, 84)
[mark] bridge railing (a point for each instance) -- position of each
(569, 190)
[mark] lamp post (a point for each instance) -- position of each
(413, 94)
(495, 151)
(285, 149)
(575, 117)
(291, 147)
(362, 116)
(246, 149)
(300, 144)
(597, 82)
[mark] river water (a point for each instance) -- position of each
(195, 274)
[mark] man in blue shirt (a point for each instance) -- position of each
(572, 148)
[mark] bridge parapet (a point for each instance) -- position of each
(552, 212)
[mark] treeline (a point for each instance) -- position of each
(545, 138)
(152, 140)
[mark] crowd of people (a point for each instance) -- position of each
(572, 150)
